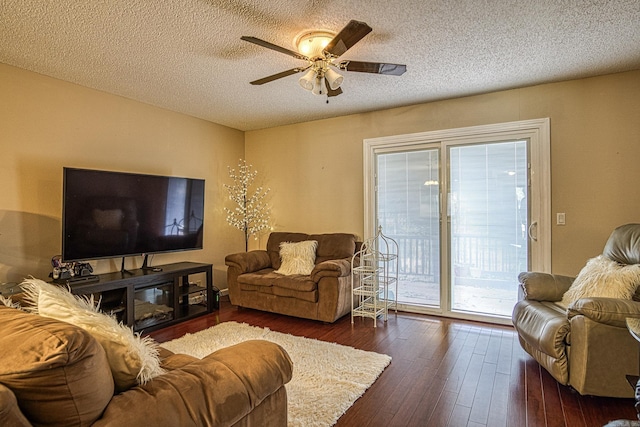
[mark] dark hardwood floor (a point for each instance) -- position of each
(444, 372)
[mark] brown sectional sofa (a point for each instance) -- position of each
(323, 295)
(54, 373)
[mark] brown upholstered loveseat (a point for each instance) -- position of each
(324, 295)
(54, 373)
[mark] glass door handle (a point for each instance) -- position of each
(533, 225)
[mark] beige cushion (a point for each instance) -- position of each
(297, 258)
(334, 246)
(133, 360)
(602, 277)
(58, 372)
(218, 390)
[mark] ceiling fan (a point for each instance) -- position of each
(321, 49)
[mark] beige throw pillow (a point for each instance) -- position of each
(602, 277)
(297, 258)
(133, 360)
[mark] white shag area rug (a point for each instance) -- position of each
(327, 377)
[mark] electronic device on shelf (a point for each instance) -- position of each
(71, 272)
(115, 214)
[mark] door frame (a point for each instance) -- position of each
(538, 133)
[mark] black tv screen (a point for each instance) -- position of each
(115, 214)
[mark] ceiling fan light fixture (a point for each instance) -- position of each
(319, 86)
(307, 81)
(320, 49)
(334, 79)
(312, 43)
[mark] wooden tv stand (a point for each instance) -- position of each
(149, 299)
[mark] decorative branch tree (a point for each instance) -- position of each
(251, 213)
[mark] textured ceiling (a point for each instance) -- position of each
(187, 56)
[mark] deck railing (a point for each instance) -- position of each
(473, 256)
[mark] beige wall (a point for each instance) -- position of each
(46, 124)
(315, 169)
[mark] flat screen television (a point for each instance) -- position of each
(115, 214)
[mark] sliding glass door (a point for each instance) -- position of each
(409, 212)
(468, 209)
(488, 216)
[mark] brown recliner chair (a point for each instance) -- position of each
(587, 345)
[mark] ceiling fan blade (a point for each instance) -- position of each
(277, 76)
(373, 67)
(272, 46)
(351, 34)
